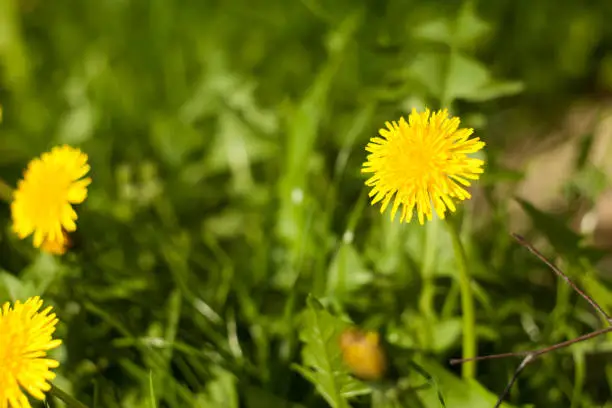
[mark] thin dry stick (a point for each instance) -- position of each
(537, 352)
(530, 356)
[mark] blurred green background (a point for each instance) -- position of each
(226, 142)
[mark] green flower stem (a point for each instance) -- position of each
(467, 303)
(426, 299)
(67, 399)
(6, 192)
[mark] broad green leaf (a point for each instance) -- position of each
(456, 75)
(437, 31)
(11, 288)
(495, 89)
(469, 27)
(446, 333)
(493, 176)
(466, 76)
(322, 359)
(42, 273)
(455, 391)
(221, 391)
(420, 333)
(428, 68)
(460, 32)
(347, 272)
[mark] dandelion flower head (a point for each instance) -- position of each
(422, 165)
(363, 354)
(26, 336)
(42, 202)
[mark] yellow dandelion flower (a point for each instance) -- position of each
(363, 354)
(25, 338)
(42, 202)
(422, 164)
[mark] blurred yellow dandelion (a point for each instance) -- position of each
(55, 247)
(363, 354)
(25, 338)
(422, 164)
(42, 202)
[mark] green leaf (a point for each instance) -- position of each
(347, 272)
(428, 70)
(595, 288)
(469, 27)
(496, 89)
(413, 333)
(465, 76)
(11, 288)
(469, 79)
(220, 392)
(321, 357)
(42, 273)
(456, 75)
(495, 175)
(436, 31)
(455, 391)
(461, 32)
(446, 333)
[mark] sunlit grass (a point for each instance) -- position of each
(227, 239)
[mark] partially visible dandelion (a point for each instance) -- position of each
(56, 247)
(42, 202)
(422, 165)
(25, 337)
(363, 354)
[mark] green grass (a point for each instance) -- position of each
(227, 237)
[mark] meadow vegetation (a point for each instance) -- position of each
(227, 238)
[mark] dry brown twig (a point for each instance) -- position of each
(532, 355)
